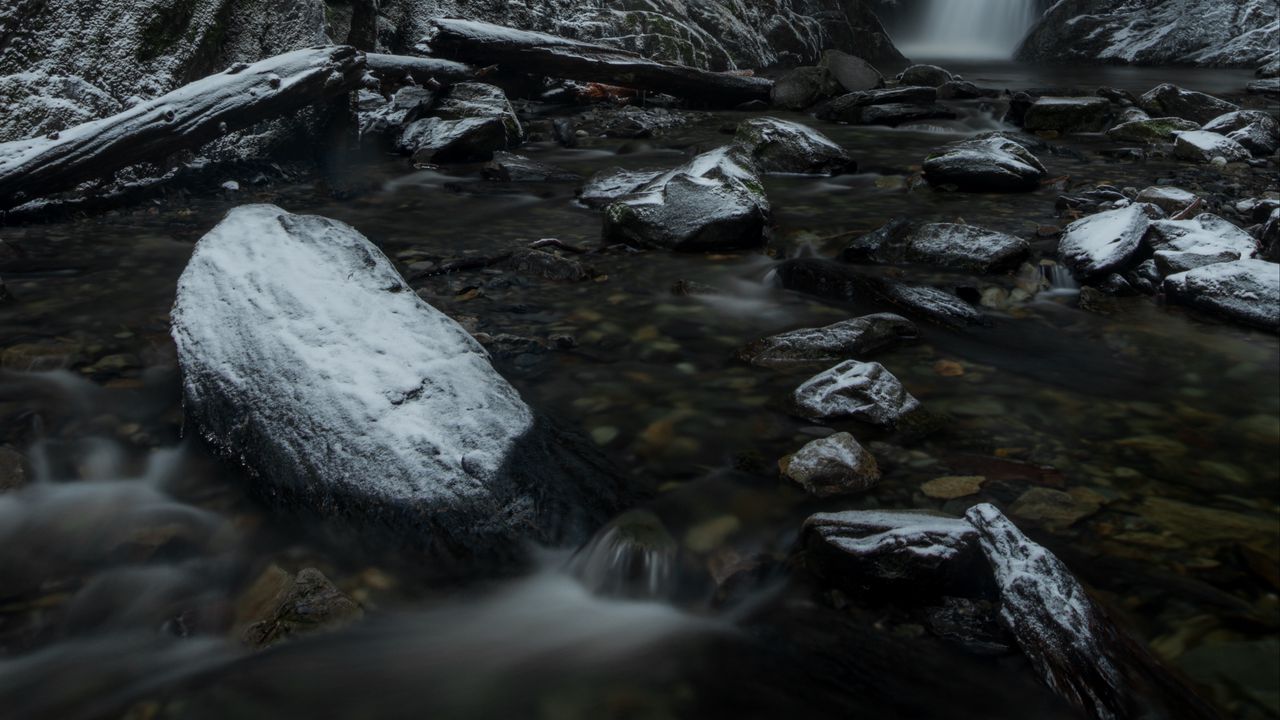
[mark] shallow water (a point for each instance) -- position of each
(124, 567)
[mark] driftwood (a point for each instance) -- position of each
(541, 54)
(424, 71)
(183, 119)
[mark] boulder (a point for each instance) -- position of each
(714, 202)
(608, 186)
(509, 167)
(963, 90)
(1068, 114)
(852, 72)
(307, 358)
(1258, 131)
(985, 164)
(1181, 245)
(895, 114)
(1108, 242)
(1247, 291)
(863, 391)
(845, 340)
(787, 147)
(390, 118)
(952, 245)
(927, 75)
(1172, 101)
(830, 466)
(471, 123)
(1204, 147)
(803, 87)
(850, 108)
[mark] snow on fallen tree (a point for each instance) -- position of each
(542, 54)
(422, 70)
(186, 118)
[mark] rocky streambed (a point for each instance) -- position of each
(773, 340)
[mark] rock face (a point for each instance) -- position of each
(1172, 101)
(1151, 131)
(306, 357)
(471, 123)
(963, 247)
(787, 147)
(845, 340)
(1068, 114)
(1202, 146)
(1211, 33)
(986, 164)
(1182, 245)
(834, 465)
(1247, 291)
(1101, 244)
(715, 201)
(1256, 130)
(858, 390)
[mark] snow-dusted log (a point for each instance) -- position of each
(183, 119)
(423, 70)
(542, 54)
(305, 356)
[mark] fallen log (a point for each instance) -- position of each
(541, 54)
(423, 70)
(183, 119)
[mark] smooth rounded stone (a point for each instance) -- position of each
(1168, 198)
(469, 124)
(1203, 147)
(788, 147)
(390, 118)
(963, 90)
(608, 186)
(927, 75)
(864, 391)
(714, 202)
(509, 167)
(803, 87)
(306, 603)
(852, 72)
(1181, 245)
(1256, 130)
(1266, 86)
(1151, 131)
(833, 465)
(1169, 100)
(951, 487)
(847, 339)
(985, 164)
(1068, 114)
(952, 245)
(306, 357)
(1098, 245)
(1247, 291)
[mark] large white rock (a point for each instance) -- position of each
(306, 356)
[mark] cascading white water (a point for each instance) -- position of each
(979, 29)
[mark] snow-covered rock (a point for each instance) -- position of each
(953, 245)
(1203, 147)
(1098, 245)
(848, 339)
(1257, 130)
(1181, 245)
(1170, 199)
(306, 357)
(985, 164)
(788, 147)
(863, 391)
(918, 549)
(1211, 33)
(834, 465)
(1169, 100)
(1068, 114)
(1150, 131)
(1247, 291)
(715, 201)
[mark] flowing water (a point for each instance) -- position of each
(128, 566)
(975, 29)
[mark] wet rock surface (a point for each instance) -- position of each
(472, 122)
(789, 147)
(1169, 100)
(1068, 114)
(1247, 291)
(989, 164)
(834, 465)
(1151, 131)
(924, 75)
(305, 603)
(1205, 147)
(1101, 244)
(863, 391)
(845, 340)
(1181, 245)
(963, 247)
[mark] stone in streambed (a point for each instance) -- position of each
(1169, 100)
(985, 164)
(1151, 131)
(1068, 114)
(841, 341)
(860, 390)
(1181, 245)
(1098, 245)
(952, 245)
(303, 604)
(1247, 291)
(1266, 86)
(787, 147)
(851, 72)
(927, 75)
(608, 186)
(803, 87)
(1204, 147)
(392, 117)
(306, 357)
(848, 108)
(895, 114)
(1170, 199)
(509, 167)
(471, 123)
(1257, 131)
(834, 465)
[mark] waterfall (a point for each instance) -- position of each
(979, 29)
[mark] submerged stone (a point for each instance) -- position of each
(788, 147)
(864, 391)
(847, 339)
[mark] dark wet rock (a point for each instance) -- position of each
(964, 247)
(788, 147)
(608, 186)
(895, 114)
(691, 288)
(1247, 291)
(715, 201)
(631, 122)
(803, 87)
(931, 304)
(471, 123)
(13, 471)
(845, 340)
(831, 466)
(1205, 147)
(1168, 198)
(411, 438)
(307, 603)
(849, 108)
(1151, 131)
(633, 556)
(1256, 130)
(927, 75)
(1267, 86)
(863, 391)
(969, 623)
(986, 164)
(548, 266)
(509, 167)
(390, 118)
(564, 131)
(1119, 96)
(963, 90)
(851, 72)
(1098, 245)
(1172, 101)
(1068, 114)
(1181, 245)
